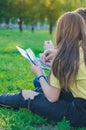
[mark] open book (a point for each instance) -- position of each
(28, 54)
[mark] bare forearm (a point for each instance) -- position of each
(51, 93)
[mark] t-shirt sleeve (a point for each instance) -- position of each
(54, 81)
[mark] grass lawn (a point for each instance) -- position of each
(15, 74)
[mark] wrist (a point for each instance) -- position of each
(40, 73)
(41, 76)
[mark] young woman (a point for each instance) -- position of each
(49, 50)
(64, 95)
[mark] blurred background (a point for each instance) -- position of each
(35, 14)
(27, 24)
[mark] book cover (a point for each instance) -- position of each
(29, 54)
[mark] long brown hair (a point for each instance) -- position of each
(70, 30)
(82, 12)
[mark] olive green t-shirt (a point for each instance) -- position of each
(78, 89)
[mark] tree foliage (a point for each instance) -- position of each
(31, 11)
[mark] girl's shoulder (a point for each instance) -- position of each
(82, 66)
(81, 55)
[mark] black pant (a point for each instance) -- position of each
(73, 109)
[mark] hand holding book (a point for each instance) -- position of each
(28, 54)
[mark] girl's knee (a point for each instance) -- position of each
(29, 94)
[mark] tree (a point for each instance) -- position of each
(51, 10)
(31, 11)
(5, 10)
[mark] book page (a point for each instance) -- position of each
(29, 54)
(23, 52)
(35, 59)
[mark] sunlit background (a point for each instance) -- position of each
(35, 14)
(27, 24)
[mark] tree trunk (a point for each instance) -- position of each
(32, 28)
(50, 27)
(20, 27)
(20, 24)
